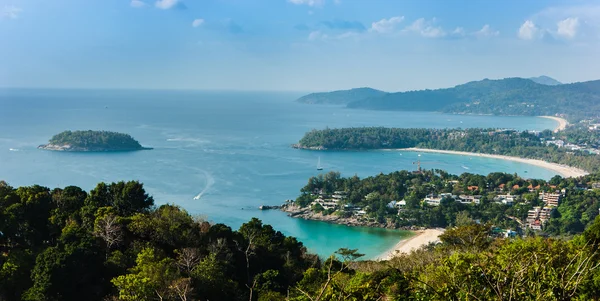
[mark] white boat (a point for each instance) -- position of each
(319, 167)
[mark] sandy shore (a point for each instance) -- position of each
(561, 169)
(421, 238)
(562, 123)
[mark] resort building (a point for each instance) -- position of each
(537, 217)
(326, 204)
(550, 199)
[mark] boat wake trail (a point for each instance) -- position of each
(210, 181)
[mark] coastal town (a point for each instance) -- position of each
(519, 206)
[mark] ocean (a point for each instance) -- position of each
(222, 154)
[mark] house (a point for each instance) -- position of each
(435, 199)
(596, 185)
(392, 204)
(472, 188)
(469, 199)
(516, 186)
(510, 233)
(536, 225)
(532, 188)
(558, 143)
(506, 199)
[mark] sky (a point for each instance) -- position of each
(294, 45)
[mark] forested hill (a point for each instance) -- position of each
(545, 80)
(340, 97)
(509, 96)
(487, 141)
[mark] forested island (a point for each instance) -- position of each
(509, 96)
(92, 141)
(545, 145)
(113, 243)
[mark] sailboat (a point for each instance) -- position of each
(319, 167)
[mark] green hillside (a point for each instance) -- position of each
(509, 96)
(341, 97)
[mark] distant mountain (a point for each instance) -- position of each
(340, 97)
(509, 96)
(545, 80)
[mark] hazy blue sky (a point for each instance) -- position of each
(306, 45)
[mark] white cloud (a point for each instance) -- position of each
(426, 28)
(486, 31)
(528, 31)
(197, 22)
(137, 3)
(166, 4)
(10, 12)
(567, 28)
(386, 25)
(347, 35)
(317, 35)
(578, 23)
(308, 2)
(459, 31)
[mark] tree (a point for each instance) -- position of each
(211, 281)
(153, 278)
(473, 236)
(68, 271)
(109, 227)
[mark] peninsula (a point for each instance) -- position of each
(92, 141)
(570, 148)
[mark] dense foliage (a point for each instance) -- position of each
(96, 140)
(577, 209)
(114, 244)
(66, 244)
(509, 96)
(488, 141)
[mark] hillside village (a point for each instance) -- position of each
(518, 206)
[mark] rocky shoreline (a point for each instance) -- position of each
(300, 146)
(307, 214)
(69, 148)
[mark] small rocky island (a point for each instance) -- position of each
(92, 141)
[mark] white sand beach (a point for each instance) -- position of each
(563, 170)
(562, 123)
(421, 238)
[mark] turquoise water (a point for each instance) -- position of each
(231, 149)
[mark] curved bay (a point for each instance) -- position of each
(229, 148)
